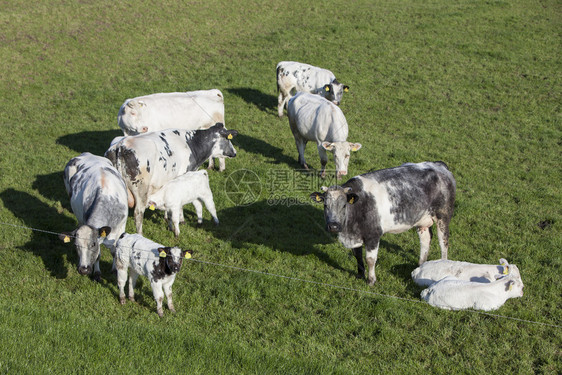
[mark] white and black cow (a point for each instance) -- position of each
(98, 197)
(313, 118)
(154, 261)
(390, 201)
(301, 77)
(192, 110)
(151, 160)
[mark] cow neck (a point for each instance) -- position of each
(201, 146)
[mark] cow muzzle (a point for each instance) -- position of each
(84, 270)
(333, 227)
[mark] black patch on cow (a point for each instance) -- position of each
(148, 165)
(132, 168)
(166, 144)
(176, 132)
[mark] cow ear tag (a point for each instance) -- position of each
(162, 254)
(510, 286)
(354, 148)
(152, 208)
(505, 270)
(327, 88)
(66, 239)
(103, 234)
(187, 255)
(229, 136)
(318, 199)
(346, 89)
(351, 201)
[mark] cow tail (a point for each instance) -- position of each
(277, 78)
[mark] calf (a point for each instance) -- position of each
(192, 187)
(98, 197)
(301, 77)
(313, 118)
(145, 257)
(435, 270)
(149, 161)
(451, 293)
(390, 201)
(190, 110)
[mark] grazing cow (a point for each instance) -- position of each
(313, 118)
(192, 110)
(145, 257)
(390, 201)
(192, 187)
(435, 270)
(301, 77)
(451, 293)
(98, 197)
(149, 161)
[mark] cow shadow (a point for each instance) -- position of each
(257, 146)
(51, 186)
(95, 142)
(264, 102)
(46, 222)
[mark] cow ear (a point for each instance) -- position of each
(187, 254)
(66, 237)
(509, 285)
(327, 88)
(231, 134)
(317, 197)
(328, 146)
(346, 88)
(352, 198)
(104, 231)
(355, 146)
(162, 252)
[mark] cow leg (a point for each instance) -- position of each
(139, 214)
(121, 281)
(425, 239)
(358, 253)
(198, 210)
(174, 223)
(211, 163)
(158, 296)
(323, 159)
(168, 293)
(281, 101)
(97, 272)
(222, 164)
(371, 254)
(132, 282)
(443, 236)
(301, 146)
(210, 204)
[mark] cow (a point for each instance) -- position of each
(149, 161)
(313, 118)
(98, 197)
(451, 293)
(435, 270)
(192, 187)
(301, 77)
(192, 110)
(390, 200)
(154, 261)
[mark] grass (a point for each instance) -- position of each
(473, 83)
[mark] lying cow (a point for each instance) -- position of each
(157, 263)
(301, 77)
(192, 187)
(190, 110)
(313, 118)
(451, 293)
(98, 197)
(149, 161)
(390, 201)
(435, 270)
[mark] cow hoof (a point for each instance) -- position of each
(122, 300)
(160, 313)
(360, 276)
(371, 282)
(97, 277)
(132, 299)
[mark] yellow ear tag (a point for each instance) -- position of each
(505, 270)
(102, 234)
(352, 200)
(66, 239)
(162, 254)
(229, 136)
(510, 286)
(327, 88)
(354, 149)
(187, 255)
(152, 208)
(318, 199)
(346, 90)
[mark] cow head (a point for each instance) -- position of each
(221, 142)
(336, 199)
(342, 152)
(512, 281)
(86, 240)
(171, 259)
(334, 91)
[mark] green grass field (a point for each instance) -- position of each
(475, 83)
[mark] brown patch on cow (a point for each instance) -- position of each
(130, 199)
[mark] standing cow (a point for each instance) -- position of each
(313, 118)
(98, 197)
(151, 160)
(192, 110)
(301, 77)
(390, 201)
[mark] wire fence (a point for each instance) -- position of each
(301, 280)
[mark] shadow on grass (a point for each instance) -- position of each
(38, 215)
(264, 102)
(95, 142)
(51, 186)
(257, 146)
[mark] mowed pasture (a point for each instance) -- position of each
(476, 84)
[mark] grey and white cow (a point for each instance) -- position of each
(313, 118)
(299, 77)
(98, 197)
(156, 262)
(191, 110)
(149, 161)
(390, 200)
(191, 187)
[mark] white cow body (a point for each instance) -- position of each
(154, 261)
(453, 294)
(190, 110)
(292, 75)
(192, 187)
(313, 118)
(98, 197)
(435, 270)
